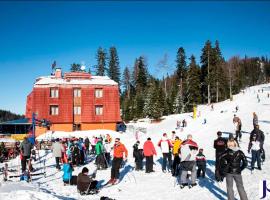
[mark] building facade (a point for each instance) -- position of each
(75, 101)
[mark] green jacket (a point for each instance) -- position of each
(99, 148)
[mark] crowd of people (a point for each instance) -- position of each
(181, 158)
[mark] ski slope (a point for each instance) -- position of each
(136, 185)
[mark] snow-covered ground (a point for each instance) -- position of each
(136, 185)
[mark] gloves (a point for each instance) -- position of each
(218, 177)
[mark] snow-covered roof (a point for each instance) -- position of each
(94, 80)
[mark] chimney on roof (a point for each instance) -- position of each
(58, 73)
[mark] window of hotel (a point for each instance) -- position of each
(99, 110)
(77, 92)
(54, 93)
(54, 110)
(77, 110)
(98, 93)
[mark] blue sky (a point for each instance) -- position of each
(34, 34)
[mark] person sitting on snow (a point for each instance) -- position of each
(85, 184)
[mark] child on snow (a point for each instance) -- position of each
(67, 176)
(201, 163)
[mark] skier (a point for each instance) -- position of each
(254, 146)
(25, 149)
(201, 163)
(230, 165)
(118, 157)
(75, 154)
(188, 151)
(86, 144)
(85, 184)
(238, 125)
(82, 150)
(176, 159)
(236, 108)
(67, 176)
(100, 160)
(138, 155)
(165, 145)
(57, 152)
(149, 151)
(255, 119)
(93, 144)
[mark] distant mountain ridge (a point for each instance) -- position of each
(7, 115)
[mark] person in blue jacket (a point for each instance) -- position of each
(67, 176)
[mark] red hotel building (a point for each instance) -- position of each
(77, 101)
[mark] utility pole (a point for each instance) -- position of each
(230, 74)
(208, 86)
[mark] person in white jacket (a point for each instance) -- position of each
(188, 151)
(108, 148)
(57, 149)
(166, 145)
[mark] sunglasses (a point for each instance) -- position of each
(116, 140)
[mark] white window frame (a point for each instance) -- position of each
(54, 93)
(77, 110)
(54, 110)
(98, 93)
(99, 110)
(77, 92)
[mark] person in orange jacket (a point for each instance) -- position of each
(120, 153)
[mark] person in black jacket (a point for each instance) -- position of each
(259, 135)
(230, 165)
(138, 155)
(220, 144)
(87, 144)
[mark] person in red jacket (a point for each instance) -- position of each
(149, 151)
(118, 157)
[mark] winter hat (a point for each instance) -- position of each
(231, 136)
(219, 133)
(149, 138)
(85, 170)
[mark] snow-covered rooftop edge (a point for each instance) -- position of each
(95, 80)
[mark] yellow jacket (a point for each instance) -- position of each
(176, 146)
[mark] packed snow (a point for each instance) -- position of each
(136, 185)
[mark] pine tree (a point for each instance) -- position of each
(114, 68)
(193, 79)
(141, 79)
(126, 81)
(181, 70)
(101, 62)
(207, 72)
(75, 67)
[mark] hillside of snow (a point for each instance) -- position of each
(136, 185)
